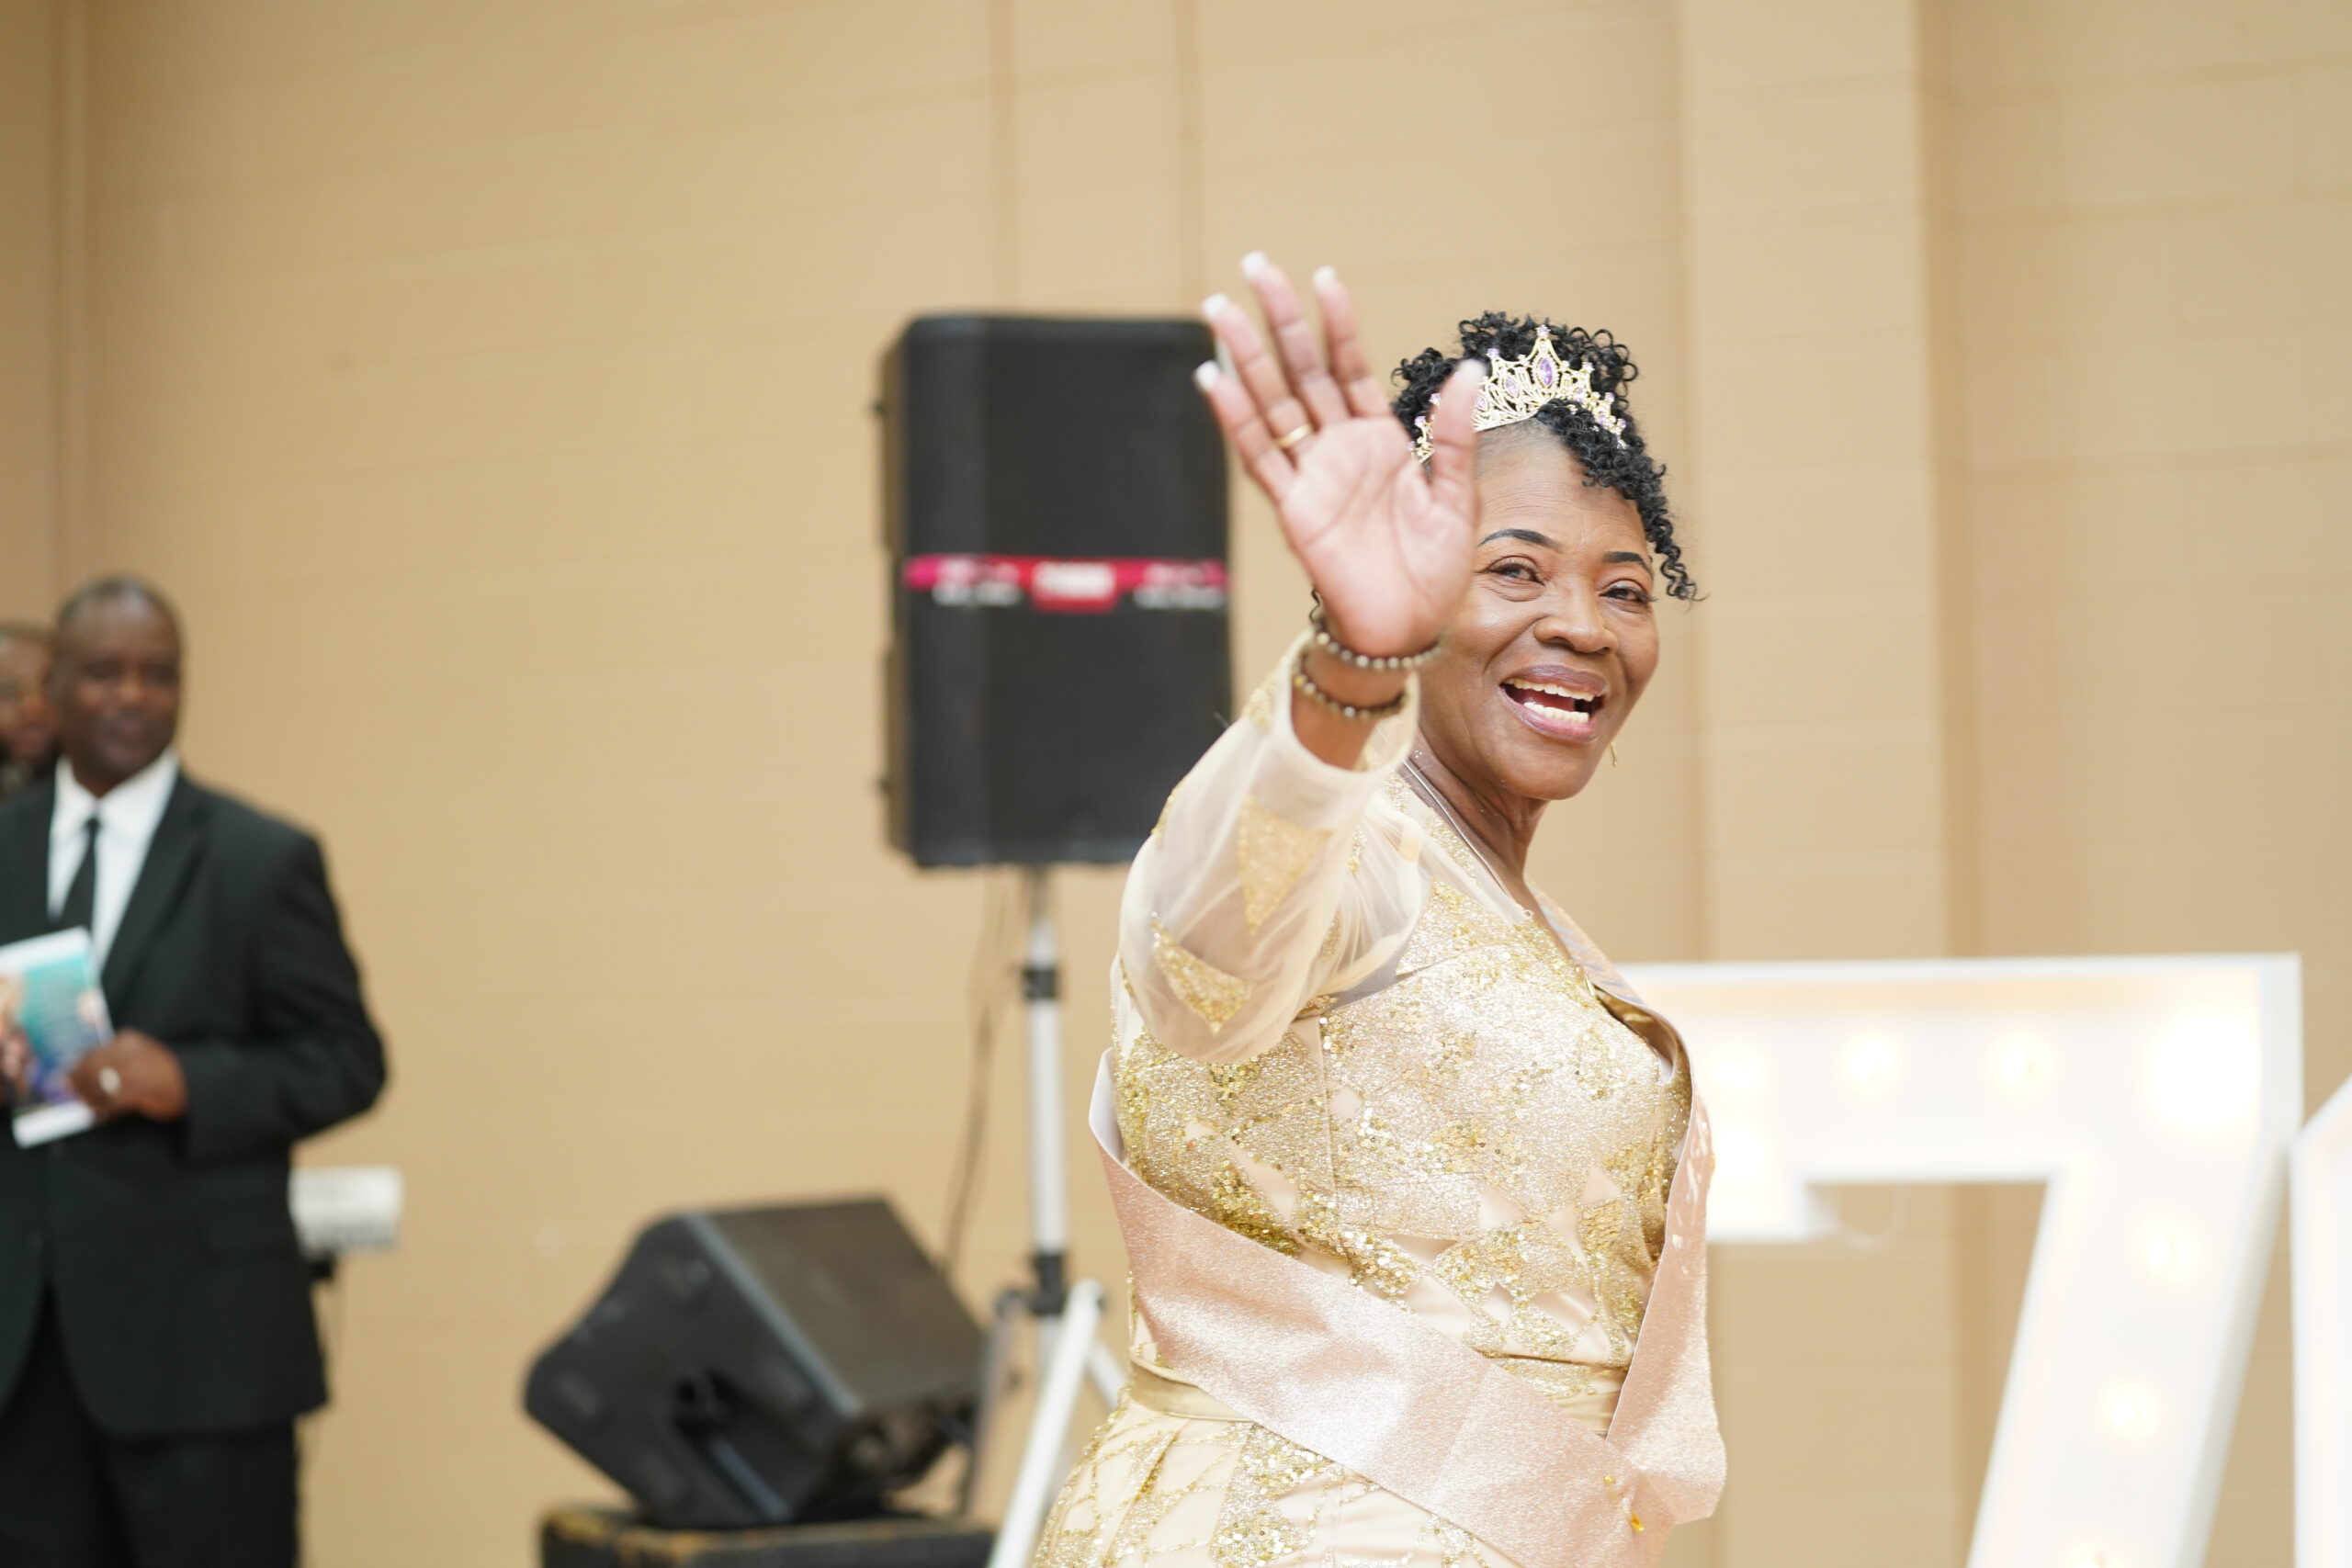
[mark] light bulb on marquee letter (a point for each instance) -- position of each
(2168, 1250)
(2022, 1064)
(2130, 1411)
(1873, 1062)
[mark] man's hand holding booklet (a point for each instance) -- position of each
(51, 1015)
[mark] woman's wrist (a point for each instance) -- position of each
(1370, 690)
(1327, 639)
(1335, 722)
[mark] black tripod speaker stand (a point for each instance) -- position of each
(1068, 1316)
(1056, 512)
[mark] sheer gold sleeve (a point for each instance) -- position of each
(1264, 884)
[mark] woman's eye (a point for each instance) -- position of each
(1630, 594)
(1518, 570)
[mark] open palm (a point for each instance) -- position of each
(1387, 544)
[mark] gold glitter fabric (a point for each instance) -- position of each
(1159, 1491)
(1271, 854)
(1213, 994)
(1415, 1087)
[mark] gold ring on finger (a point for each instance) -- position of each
(1284, 443)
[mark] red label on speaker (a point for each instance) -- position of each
(1069, 587)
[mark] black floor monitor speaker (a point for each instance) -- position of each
(1055, 500)
(764, 1366)
(605, 1537)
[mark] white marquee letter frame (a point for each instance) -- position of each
(2157, 1097)
(2322, 1229)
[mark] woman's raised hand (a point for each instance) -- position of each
(1386, 545)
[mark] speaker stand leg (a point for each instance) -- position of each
(1042, 1462)
(1107, 1373)
(996, 1371)
(1041, 991)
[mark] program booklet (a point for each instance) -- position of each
(49, 999)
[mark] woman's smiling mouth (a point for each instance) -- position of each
(1556, 709)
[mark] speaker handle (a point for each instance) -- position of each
(701, 1412)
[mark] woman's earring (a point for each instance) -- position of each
(1613, 753)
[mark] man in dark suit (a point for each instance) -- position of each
(156, 1339)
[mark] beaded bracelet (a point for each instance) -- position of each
(1321, 635)
(1304, 684)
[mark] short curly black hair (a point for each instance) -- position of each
(1624, 466)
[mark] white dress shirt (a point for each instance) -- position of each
(127, 815)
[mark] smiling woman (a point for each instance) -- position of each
(1405, 1170)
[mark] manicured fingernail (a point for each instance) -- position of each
(1477, 368)
(1205, 374)
(1213, 304)
(1325, 277)
(1253, 264)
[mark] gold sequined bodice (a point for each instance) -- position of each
(1471, 1135)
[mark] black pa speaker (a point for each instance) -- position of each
(606, 1537)
(764, 1366)
(1056, 500)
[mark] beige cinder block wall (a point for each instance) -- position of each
(2154, 225)
(490, 382)
(1818, 476)
(2000, 235)
(31, 308)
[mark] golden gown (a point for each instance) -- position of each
(1337, 1036)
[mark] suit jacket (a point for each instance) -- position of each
(181, 1293)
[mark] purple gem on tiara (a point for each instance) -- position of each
(1543, 371)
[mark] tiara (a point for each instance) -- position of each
(1518, 388)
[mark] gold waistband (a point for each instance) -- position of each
(1157, 1391)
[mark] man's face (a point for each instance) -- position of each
(27, 724)
(116, 685)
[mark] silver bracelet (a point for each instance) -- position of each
(1304, 684)
(1321, 635)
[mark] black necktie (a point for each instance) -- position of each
(80, 907)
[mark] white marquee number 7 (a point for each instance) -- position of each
(2156, 1097)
